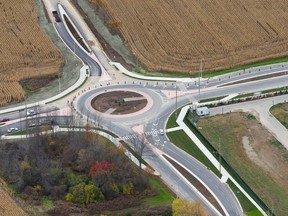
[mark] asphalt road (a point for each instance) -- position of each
(156, 117)
(93, 65)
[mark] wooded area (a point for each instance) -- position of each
(79, 167)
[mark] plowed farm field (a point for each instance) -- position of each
(7, 204)
(175, 35)
(25, 49)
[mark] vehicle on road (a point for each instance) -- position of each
(12, 129)
(161, 132)
(4, 120)
(31, 112)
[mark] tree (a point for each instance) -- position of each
(187, 208)
(100, 168)
(140, 148)
(84, 194)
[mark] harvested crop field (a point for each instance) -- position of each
(25, 49)
(254, 153)
(7, 204)
(174, 35)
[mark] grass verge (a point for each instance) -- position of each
(211, 99)
(164, 197)
(280, 111)
(181, 140)
(247, 206)
(256, 64)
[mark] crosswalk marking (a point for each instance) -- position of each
(133, 136)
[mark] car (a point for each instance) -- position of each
(32, 124)
(31, 112)
(4, 120)
(161, 132)
(12, 129)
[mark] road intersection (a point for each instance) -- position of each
(166, 97)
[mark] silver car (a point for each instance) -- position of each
(12, 129)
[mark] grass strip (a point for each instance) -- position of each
(248, 208)
(281, 114)
(183, 141)
(225, 164)
(211, 99)
(256, 64)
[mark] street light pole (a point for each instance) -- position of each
(201, 66)
(176, 103)
(219, 152)
(59, 82)
(200, 74)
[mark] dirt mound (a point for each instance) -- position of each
(26, 51)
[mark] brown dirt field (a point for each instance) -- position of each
(261, 161)
(26, 50)
(174, 35)
(8, 207)
(115, 100)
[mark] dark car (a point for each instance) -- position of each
(4, 120)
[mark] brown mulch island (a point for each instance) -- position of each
(116, 100)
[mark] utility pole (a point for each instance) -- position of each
(201, 66)
(200, 75)
(219, 153)
(176, 102)
(59, 82)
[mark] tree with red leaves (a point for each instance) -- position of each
(99, 168)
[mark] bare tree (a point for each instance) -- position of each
(140, 147)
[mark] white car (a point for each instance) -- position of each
(31, 112)
(10, 130)
(161, 132)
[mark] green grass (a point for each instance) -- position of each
(47, 203)
(262, 92)
(183, 141)
(280, 111)
(256, 64)
(247, 206)
(28, 131)
(173, 117)
(211, 99)
(164, 197)
(169, 74)
(274, 90)
(276, 143)
(244, 95)
(207, 74)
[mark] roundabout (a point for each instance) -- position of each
(120, 103)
